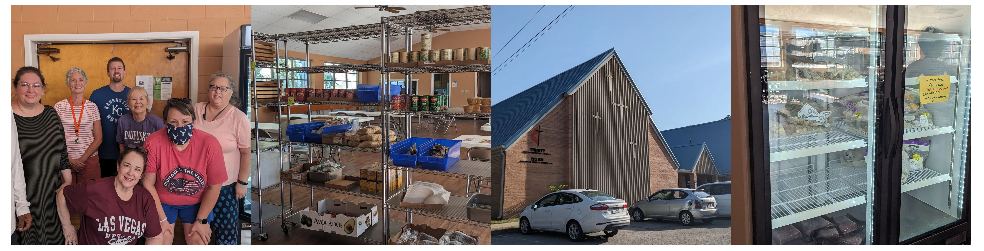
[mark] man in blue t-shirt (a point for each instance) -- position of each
(111, 100)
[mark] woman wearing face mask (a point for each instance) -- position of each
(185, 171)
(219, 117)
(115, 211)
(134, 127)
(41, 139)
(83, 132)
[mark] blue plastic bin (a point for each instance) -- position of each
(437, 163)
(302, 132)
(398, 152)
(373, 93)
(336, 129)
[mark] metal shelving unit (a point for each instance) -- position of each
(807, 191)
(387, 28)
(811, 144)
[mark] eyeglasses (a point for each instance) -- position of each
(221, 89)
(36, 85)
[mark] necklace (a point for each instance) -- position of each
(216, 115)
(21, 108)
(76, 122)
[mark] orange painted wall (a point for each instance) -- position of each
(213, 22)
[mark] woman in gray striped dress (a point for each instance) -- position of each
(41, 139)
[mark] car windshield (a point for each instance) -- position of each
(701, 194)
(598, 195)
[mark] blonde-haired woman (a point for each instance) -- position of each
(135, 126)
(83, 132)
(220, 117)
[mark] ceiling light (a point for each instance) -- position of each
(307, 16)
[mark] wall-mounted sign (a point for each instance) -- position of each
(535, 137)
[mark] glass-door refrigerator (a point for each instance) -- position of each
(857, 120)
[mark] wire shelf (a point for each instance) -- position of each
(281, 103)
(463, 169)
(919, 132)
(442, 68)
(923, 178)
(454, 211)
(832, 140)
(807, 191)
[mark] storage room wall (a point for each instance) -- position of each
(213, 22)
(466, 81)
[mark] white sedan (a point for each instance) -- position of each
(576, 212)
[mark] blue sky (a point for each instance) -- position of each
(679, 56)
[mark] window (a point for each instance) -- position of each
(348, 80)
(550, 200)
(403, 87)
(769, 39)
(598, 195)
(566, 198)
(661, 195)
(294, 80)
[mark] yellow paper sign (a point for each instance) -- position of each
(252, 66)
(290, 100)
(857, 114)
(934, 89)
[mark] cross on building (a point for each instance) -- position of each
(634, 145)
(597, 119)
(621, 112)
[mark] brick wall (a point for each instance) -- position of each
(662, 173)
(214, 22)
(525, 183)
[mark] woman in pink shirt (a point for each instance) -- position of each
(220, 117)
(83, 131)
(185, 171)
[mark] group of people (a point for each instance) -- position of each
(129, 174)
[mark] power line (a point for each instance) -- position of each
(531, 41)
(520, 30)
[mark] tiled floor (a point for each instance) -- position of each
(352, 161)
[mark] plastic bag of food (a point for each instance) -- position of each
(915, 153)
(457, 238)
(786, 234)
(808, 227)
(370, 144)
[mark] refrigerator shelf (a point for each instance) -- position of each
(914, 81)
(816, 84)
(833, 140)
(923, 178)
(912, 133)
(808, 191)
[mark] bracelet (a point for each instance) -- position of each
(162, 221)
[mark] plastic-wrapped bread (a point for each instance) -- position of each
(371, 137)
(785, 234)
(352, 138)
(808, 227)
(370, 144)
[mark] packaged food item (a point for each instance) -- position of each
(914, 114)
(457, 238)
(853, 157)
(803, 117)
(827, 233)
(844, 224)
(853, 110)
(808, 227)
(915, 153)
(370, 144)
(785, 234)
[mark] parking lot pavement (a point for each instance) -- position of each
(650, 232)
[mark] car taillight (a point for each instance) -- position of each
(697, 204)
(599, 206)
(625, 206)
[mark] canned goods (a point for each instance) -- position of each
(425, 41)
(435, 55)
(424, 104)
(483, 53)
(414, 101)
(470, 53)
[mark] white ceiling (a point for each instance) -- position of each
(952, 19)
(272, 19)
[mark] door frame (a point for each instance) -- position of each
(31, 42)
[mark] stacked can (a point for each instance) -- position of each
(414, 101)
(424, 104)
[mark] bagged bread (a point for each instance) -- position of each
(370, 144)
(808, 227)
(371, 137)
(353, 143)
(355, 138)
(785, 235)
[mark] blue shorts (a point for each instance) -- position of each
(188, 213)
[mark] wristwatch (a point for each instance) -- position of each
(202, 221)
(242, 182)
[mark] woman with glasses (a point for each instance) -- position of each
(41, 139)
(219, 116)
(185, 172)
(135, 126)
(83, 131)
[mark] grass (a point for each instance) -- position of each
(505, 221)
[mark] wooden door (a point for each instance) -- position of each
(139, 58)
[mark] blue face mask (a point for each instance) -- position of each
(179, 135)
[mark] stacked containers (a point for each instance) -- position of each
(398, 152)
(373, 93)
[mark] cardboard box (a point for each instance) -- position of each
(297, 174)
(314, 220)
(479, 214)
(344, 183)
(347, 218)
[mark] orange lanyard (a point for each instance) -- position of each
(77, 122)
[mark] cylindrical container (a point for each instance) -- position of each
(435, 102)
(469, 53)
(486, 101)
(403, 57)
(425, 41)
(459, 54)
(484, 53)
(446, 54)
(435, 55)
(424, 56)
(412, 56)
(394, 57)
(424, 103)
(414, 100)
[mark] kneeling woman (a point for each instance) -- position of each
(115, 211)
(185, 171)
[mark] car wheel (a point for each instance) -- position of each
(637, 215)
(524, 226)
(686, 218)
(611, 233)
(708, 221)
(574, 231)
